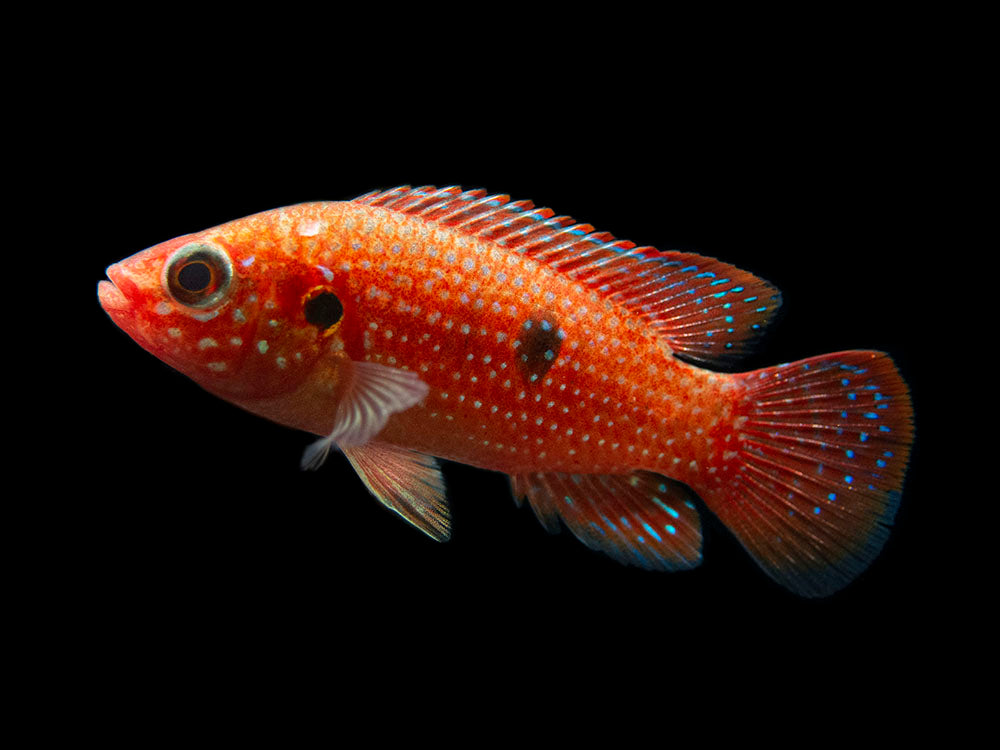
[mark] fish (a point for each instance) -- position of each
(412, 325)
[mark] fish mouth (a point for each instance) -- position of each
(111, 297)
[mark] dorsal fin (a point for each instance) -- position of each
(708, 311)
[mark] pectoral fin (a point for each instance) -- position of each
(372, 393)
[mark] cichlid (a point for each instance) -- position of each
(418, 323)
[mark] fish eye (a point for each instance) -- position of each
(198, 275)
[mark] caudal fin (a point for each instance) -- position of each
(823, 446)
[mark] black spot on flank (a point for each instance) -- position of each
(541, 340)
(323, 310)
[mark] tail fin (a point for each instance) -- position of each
(823, 446)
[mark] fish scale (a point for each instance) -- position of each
(421, 323)
(478, 303)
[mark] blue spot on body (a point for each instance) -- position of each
(670, 529)
(832, 496)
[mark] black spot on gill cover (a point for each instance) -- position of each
(323, 310)
(541, 339)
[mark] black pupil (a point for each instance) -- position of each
(324, 310)
(195, 277)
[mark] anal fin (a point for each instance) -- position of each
(407, 482)
(640, 519)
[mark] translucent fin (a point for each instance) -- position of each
(639, 519)
(823, 447)
(706, 310)
(409, 483)
(372, 394)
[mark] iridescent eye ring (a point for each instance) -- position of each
(198, 275)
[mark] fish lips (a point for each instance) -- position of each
(113, 296)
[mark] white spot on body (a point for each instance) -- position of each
(310, 228)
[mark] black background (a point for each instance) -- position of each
(200, 534)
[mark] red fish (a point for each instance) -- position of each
(418, 323)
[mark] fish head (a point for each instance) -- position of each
(229, 308)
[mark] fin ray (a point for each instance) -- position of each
(638, 519)
(406, 482)
(824, 445)
(372, 394)
(708, 311)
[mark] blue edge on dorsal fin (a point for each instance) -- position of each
(708, 312)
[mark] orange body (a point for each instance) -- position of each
(455, 310)
(540, 348)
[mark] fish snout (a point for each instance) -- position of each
(115, 293)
